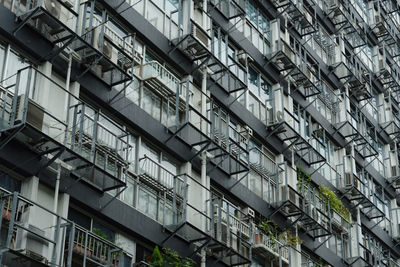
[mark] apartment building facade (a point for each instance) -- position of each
(231, 132)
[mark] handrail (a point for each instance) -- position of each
(264, 160)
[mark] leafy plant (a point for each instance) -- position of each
(334, 202)
(290, 239)
(156, 259)
(303, 179)
(269, 228)
(172, 258)
(98, 232)
(168, 258)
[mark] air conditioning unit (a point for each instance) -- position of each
(53, 7)
(33, 243)
(34, 112)
(244, 58)
(108, 49)
(200, 34)
(249, 130)
(249, 212)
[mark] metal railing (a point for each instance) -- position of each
(95, 249)
(271, 244)
(44, 236)
(65, 121)
(158, 173)
(261, 162)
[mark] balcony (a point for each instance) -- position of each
(339, 223)
(161, 80)
(387, 72)
(270, 249)
(353, 126)
(196, 42)
(213, 132)
(262, 163)
(289, 129)
(159, 178)
(96, 46)
(303, 206)
(342, 14)
(95, 148)
(392, 169)
(104, 51)
(89, 249)
(351, 71)
(384, 27)
(389, 119)
(356, 187)
(31, 242)
(52, 240)
(289, 59)
(57, 20)
(299, 16)
(209, 225)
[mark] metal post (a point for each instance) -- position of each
(56, 243)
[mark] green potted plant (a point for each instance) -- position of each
(334, 202)
(79, 245)
(268, 228)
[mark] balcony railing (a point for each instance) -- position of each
(298, 14)
(159, 78)
(262, 163)
(340, 223)
(302, 205)
(160, 177)
(95, 249)
(214, 223)
(41, 240)
(356, 186)
(270, 247)
(93, 145)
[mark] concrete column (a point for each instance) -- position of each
(30, 187)
(44, 84)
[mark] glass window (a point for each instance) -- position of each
(129, 193)
(255, 183)
(151, 103)
(253, 81)
(15, 63)
(147, 203)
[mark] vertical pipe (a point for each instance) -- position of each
(204, 159)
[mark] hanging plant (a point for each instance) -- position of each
(334, 202)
